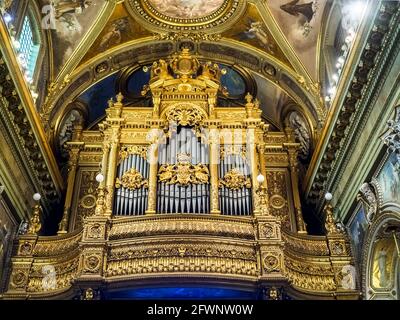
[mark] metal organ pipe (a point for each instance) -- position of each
(132, 202)
(234, 202)
(174, 198)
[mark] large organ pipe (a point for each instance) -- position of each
(234, 201)
(146, 176)
(118, 193)
(131, 201)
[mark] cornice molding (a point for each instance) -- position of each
(355, 100)
(24, 122)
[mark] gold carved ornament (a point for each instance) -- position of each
(229, 150)
(34, 223)
(183, 172)
(132, 180)
(185, 115)
(134, 150)
(184, 64)
(235, 180)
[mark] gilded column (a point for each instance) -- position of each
(263, 171)
(114, 122)
(263, 165)
(112, 169)
(292, 151)
(214, 160)
(153, 161)
(252, 156)
(74, 151)
(102, 184)
(74, 147)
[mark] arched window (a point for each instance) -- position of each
(29, 49)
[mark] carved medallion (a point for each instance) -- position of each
(338, 248)
(25, 248)
(92, 263)
(95, 231)
(19, 279)
(88, 201)
(271, 263)
(267, 231)
(277, 201)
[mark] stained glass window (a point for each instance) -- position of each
(29, 50)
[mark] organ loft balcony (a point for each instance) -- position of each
(185, 192)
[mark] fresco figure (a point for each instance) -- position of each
(302, 134)
(256, 30)
(114, 34)
(74, 6)
(296, 9)
(186, 9)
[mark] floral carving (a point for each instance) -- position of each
(185, 115)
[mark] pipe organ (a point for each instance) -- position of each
(178, 196)
(183, 176)
(131, 186)
(234, 182)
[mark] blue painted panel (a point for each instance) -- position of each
(182, 293)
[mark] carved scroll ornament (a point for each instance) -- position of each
(131, 180)
(184, 173)
(235, 180)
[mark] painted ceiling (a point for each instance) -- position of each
(298, 21)
(186, 9)
(285, 31)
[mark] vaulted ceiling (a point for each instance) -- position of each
(277, 41)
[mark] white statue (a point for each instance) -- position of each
(368, 196)
(301, 133)
(348, 277)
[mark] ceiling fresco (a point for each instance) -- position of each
(252, 30)
(300, 22)
(134, 23)
(73, 19)
(120, 28)
(186, 9)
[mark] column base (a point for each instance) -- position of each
(216, 212)
(150, 212)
